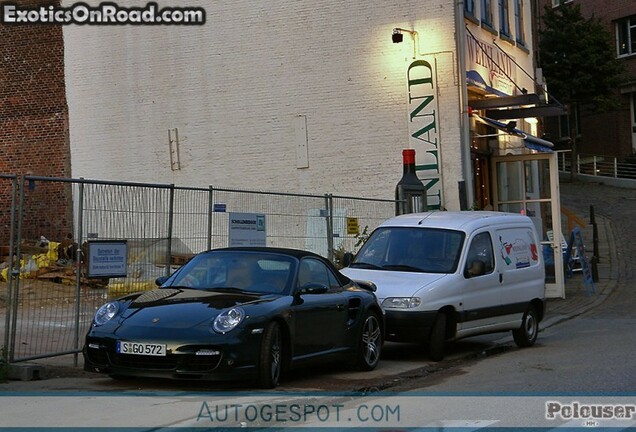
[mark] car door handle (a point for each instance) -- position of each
(500, 278)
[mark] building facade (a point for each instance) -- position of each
(288, 96)
(610, 133)
(315, 97)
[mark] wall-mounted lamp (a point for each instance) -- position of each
(398, 37)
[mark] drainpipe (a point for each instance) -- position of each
(466, 198)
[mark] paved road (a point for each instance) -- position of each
(589, 354)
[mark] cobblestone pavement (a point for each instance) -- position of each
(615, 211)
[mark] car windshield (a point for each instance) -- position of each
(250, 271)
(427, 250)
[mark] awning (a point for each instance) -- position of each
(530, 141)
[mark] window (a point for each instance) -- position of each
(486, 13)
(469, 7)
(313, 271)
(556, 3)
(626, 36)
(521, 35)
(481, 251)
(504, 18)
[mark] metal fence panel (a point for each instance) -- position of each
(49, 309)
(292, 220)
(49, 299)
(8, 189)
(353, 221)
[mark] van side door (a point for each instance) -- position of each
(481, 283)
(518, 255)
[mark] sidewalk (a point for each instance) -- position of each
(577, 300)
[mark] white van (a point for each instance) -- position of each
(442, 276)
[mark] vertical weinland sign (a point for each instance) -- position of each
(424, 127)
(247, 229)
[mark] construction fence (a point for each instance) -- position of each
(47, 299)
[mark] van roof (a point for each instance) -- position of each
(457, 220)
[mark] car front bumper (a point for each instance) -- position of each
(191, 359)
(409, 326)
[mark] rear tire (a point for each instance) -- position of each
(526, 335)
(271, 360)
(437, 340)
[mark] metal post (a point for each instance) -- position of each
(78, 267)
(170, 222)
(615, 167)
(329, 220)
(595, 254)
(594, 164)
(8, 326)
(15, 272)
(210, 212)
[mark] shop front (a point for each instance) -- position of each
(513, 169)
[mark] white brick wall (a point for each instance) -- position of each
(233, 87)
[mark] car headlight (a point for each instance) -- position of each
(401, 302)
(228, 319)
(106, 313)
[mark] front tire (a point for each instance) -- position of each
(369, 344)
(437, 340)
(526, 335)
(271, 359)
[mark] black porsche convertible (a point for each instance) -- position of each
(239, 313)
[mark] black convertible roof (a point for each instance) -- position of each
(297, 253)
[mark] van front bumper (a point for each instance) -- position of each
(409, 326)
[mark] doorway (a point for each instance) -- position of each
(529, 184)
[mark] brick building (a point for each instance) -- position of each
(34, 125)
(609, 133)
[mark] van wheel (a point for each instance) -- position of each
(526, 335)
(437, 340)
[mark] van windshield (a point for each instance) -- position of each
(426, 250)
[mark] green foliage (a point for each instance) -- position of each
(362, 237)
(338, 254)
(578, 58)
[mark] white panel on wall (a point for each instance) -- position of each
(300, 139)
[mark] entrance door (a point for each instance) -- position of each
(529, 184)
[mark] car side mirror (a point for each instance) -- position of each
(161, 280)
(477, 268)
(313, 288)
(347, 259)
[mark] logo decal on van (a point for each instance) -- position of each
(518, 252)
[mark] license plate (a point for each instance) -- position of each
(141, 348)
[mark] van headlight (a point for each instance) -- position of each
(401, 302)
